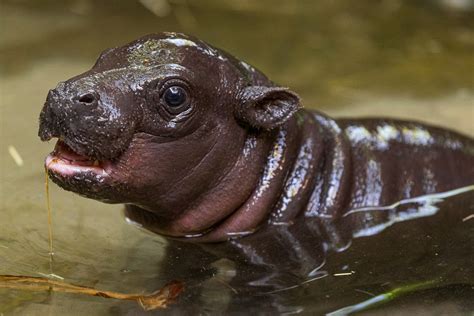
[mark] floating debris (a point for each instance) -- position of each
(365, 292)
(316, 276)
(51, 276)
(160, 8)
(382, 298)
(343, 274)
(15, 155)
(158, 299)
(465, 219)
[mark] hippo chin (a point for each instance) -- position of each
(203, 147)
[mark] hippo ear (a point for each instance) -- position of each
(267, 107)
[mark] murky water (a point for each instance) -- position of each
(386, 58)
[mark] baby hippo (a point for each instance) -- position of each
(203, 147)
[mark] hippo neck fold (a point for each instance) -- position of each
(308, 165)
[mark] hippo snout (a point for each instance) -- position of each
(93, 122)
(49, 123)
(72, 97)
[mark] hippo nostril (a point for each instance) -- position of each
(88, 98)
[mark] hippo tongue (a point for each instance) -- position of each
(64, 152)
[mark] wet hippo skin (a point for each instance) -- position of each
(202, 147)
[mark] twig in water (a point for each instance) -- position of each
(159, 299)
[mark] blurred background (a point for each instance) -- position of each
(382, 55)
(408, 59)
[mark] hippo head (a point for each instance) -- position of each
(156, 122)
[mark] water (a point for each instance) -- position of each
(390, 58)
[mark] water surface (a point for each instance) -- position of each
(386, 58)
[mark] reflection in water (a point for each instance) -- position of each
(369, 221)
(292, 264)
(292, 270)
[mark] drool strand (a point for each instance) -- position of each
(50, 223)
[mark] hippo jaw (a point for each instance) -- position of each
(63, 160)
(89, 176)
(78, 173)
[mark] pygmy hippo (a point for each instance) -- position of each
(203, 147)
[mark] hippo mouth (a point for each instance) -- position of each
(66, 162)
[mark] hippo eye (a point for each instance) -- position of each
(175, 97)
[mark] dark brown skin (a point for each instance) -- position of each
(235, 155)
